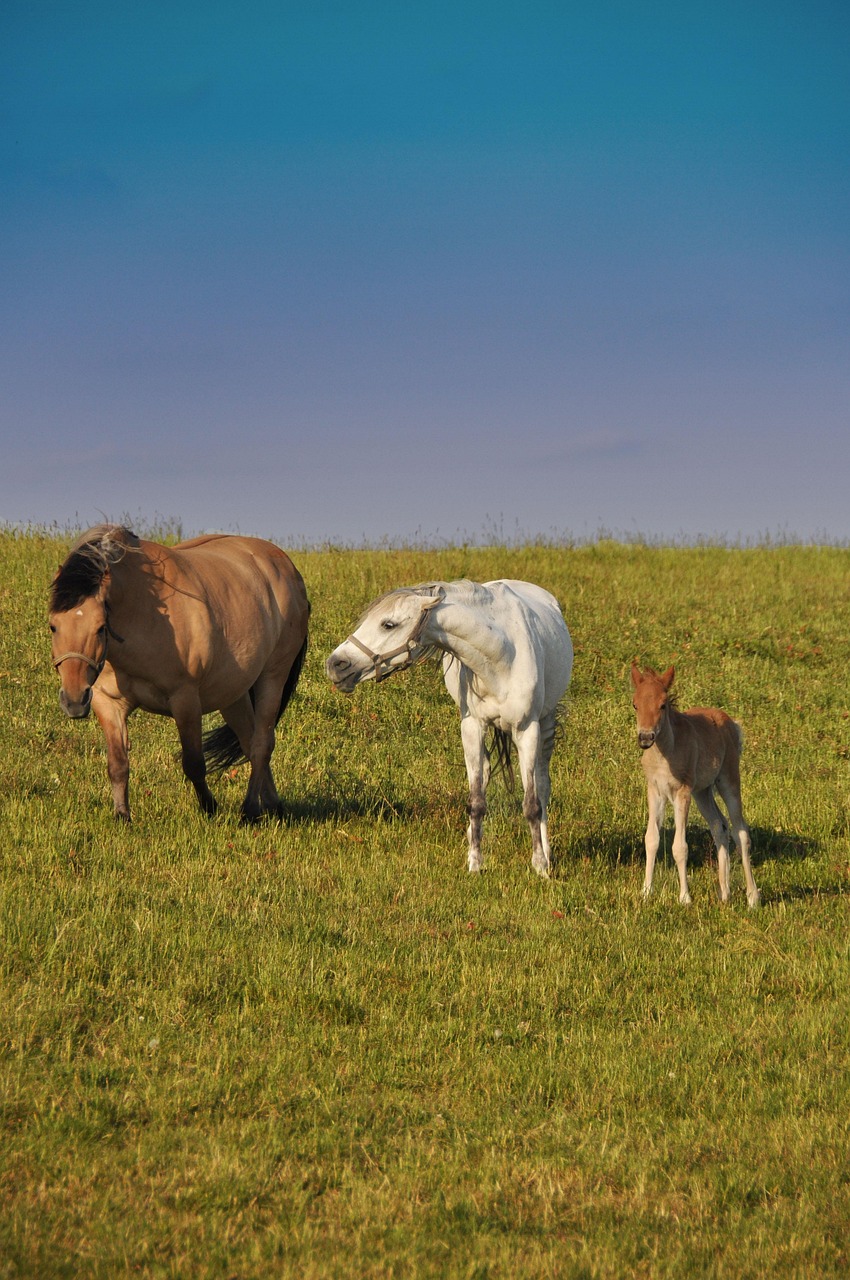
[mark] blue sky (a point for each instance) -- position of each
(346, 272)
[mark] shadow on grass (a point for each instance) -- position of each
(621, 848)
(318, 807)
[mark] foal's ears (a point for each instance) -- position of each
(639, 676)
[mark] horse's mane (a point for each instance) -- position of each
(463, 591)
(423, 589)
(81, 574)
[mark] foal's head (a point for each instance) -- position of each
(651, 700)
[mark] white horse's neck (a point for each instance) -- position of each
(459, 628)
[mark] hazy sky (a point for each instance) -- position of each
(346, 271)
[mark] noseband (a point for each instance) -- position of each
(380, 661)
(98, 666)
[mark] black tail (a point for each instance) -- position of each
(500, 746)
(222, 749)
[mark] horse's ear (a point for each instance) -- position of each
(667, 678)
(105, 583)
(635, 674)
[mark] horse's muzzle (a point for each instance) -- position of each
(342, 675)
(76, 709)
(646, 739)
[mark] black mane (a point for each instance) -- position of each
(81, 575)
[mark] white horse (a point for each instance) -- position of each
(507, 660)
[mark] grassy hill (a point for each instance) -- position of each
(321, 1048)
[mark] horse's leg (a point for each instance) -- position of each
(681, 805)
(708, 807)
(652, 839)
(730, 790)
(112, 716)
(528, 749)
(478, 772)
(544, 782)
(262, 796)
(239, 717)
(186, 710)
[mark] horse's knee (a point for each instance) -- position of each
(531, 807)
(194, 767)
(476, 806)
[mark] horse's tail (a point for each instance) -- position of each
(222, 749)
(500, 747)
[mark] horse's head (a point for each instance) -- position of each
(651, 699)
(79, 613)
(388, 637)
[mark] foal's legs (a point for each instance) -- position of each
(186, 710)
(478, 773)
(730, 790)
(533, 806)
(709, 809)
(681, 805)
(652, 839)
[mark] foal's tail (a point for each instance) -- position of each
(222, 749)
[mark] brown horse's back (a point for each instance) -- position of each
(235, 607)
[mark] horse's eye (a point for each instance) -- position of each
(53, 628)
(388, 624)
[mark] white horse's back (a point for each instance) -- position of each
(548, 633)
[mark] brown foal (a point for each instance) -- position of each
(690, 754)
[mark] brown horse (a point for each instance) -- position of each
(685, 754)
(215, 624)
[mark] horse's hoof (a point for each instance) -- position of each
(755, 902)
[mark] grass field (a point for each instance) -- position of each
(322, 1049)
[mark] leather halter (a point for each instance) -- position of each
(98, 666)
(382, 660)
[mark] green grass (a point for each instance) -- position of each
(321, 1048)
